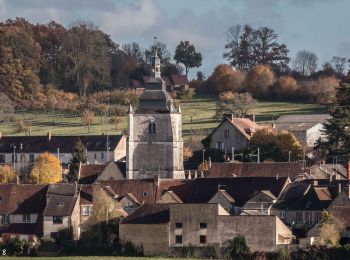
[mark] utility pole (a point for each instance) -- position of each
(14, 157)
(107, 145)
(203, 155)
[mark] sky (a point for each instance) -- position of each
(320, 26)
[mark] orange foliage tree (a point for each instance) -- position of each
(284, 88)
(7, 174)
(258, 79)
(187, 153)
(47, 169)
(225, 78)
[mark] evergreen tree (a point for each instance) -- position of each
(78, 156)
(337, 129)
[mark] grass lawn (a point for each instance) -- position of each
(91, 258)
(200, 109)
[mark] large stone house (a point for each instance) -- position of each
(154, 143)
(232, 134)
(21, 151)
(306, 128)
(164, 229)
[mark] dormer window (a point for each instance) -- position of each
(152, 128)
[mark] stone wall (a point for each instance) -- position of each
(154, 238)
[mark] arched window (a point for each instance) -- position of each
(152, 128)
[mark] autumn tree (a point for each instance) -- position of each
(88, 119)
(224, 78)
(329, 229)
(284, 88)
(258, 79)
(238, 104)
(6, 104)
(116, 120)
(305, 62)
(7, 174)
(47, 169)
(186, 54)
(276, 146)
(247, 47)
(84, 56)
(79, 156)
(187, 153)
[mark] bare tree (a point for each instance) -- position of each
(236, 104)
(339, 64)
(305, 62)
(88, 119)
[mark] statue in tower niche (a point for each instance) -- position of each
(154, 144)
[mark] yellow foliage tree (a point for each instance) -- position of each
(224, 78)
(187, 153)
(47, 169)
(204, 166)
(258, 79)
(7, 174)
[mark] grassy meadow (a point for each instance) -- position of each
(200, 109)
(93, 258)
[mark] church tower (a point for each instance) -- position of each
(154, 144)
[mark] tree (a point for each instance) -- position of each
(6, 104)
(336, 129)
(162, 52)
(116, 120)
(329, 229)
(7, 174)
(47, 169)
(88, 119)
(84, 55)
(258, 79)
(200, 75)
(79, 156)
(237, 104)
(187, 153)
(224, 78)
(237, 248)
(277, 147)
(186, 54)
(305, 62)
(284, 88)
(247, 47)
(339, 64)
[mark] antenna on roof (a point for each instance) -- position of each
(256, 155)
(234, 155)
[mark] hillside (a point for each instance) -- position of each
(201, 109)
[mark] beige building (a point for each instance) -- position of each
(164, 229)
(154, 144)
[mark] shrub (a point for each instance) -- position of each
(237, 249)
(187, 94)
(187, 251)
(208, 252)
(17, 247)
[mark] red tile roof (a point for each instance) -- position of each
(149, 214)
(89, 173)
(252, 169)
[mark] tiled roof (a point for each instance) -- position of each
(179, 79)
(201, 190)
(149, 214)
(22, 198)
(61, 199)
(264, 169)
(315, 118)
(295, 127)
(86, 194)
(89, 173)
(171, 80)
(65, 144)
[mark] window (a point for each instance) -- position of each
(317, 216)
(57, 219)
(282, 214)
(102, 156)
(2, 158)
(152, 128)
(203, 225)
(308, 217)
(220, 145)
(202, 239)
(144, 194)
(178, 225)
(86, 211)
(5, 219)
(227, 133)
(178, 239)
(26, 217)
(31, 158)
(299, 217)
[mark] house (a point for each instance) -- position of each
(172, 83)
(259, 204)
(90, 173)
(306, 128)
(232, 134)
(62, 211)
(252, 169)
(301, 204)
(165, 229)
(329, 171)
(22, 151)
(21, 209)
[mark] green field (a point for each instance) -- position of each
(201, 109)
(92, 258)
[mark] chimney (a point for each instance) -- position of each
(315, 183)
(49, 136)
(228, 116)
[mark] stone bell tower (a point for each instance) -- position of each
(154, 144)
